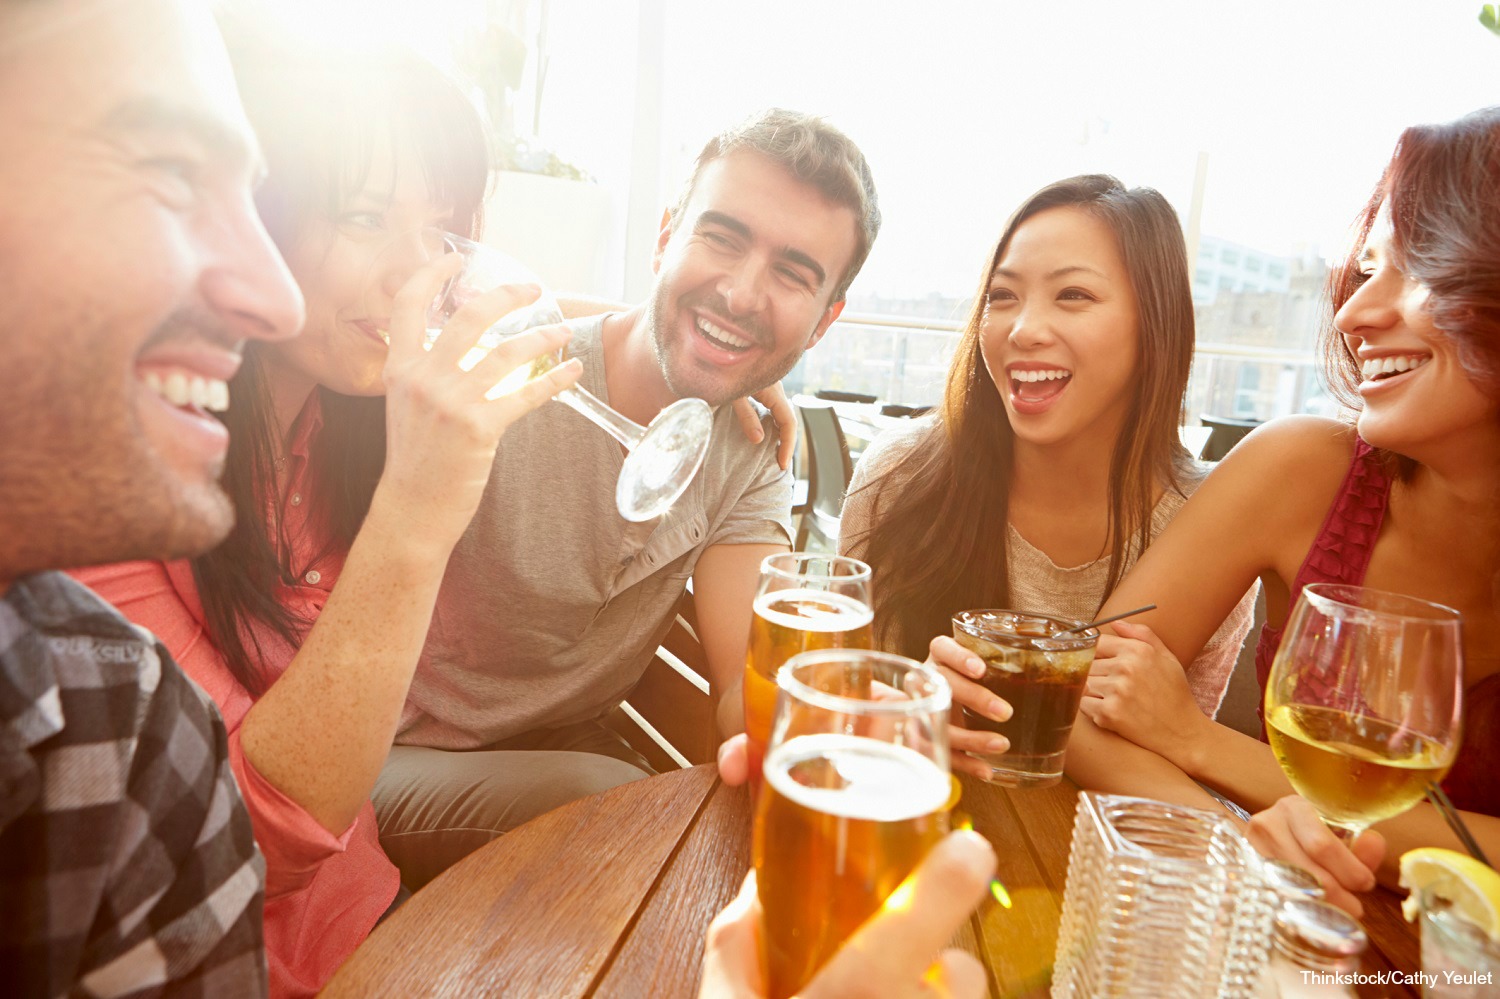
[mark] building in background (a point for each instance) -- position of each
(1223, 266)
(1255, 360)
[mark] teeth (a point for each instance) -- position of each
(175, 389)
(1039, 376)
(1375, 367)
(182, 388)
(722, 335)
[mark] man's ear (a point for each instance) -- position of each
(829, 315)
(662, 238)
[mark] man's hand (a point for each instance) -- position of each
(773, 397)
(898, 952)
(1292, 830)
(734, 760)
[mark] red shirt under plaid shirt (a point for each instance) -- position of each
(127, 862)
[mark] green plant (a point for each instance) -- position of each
(1489, 16)
(493, 60)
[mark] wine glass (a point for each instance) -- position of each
(663, 456)
(1364, 703)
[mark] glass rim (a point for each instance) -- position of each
(861, 573)
(940, 699)
(460, 243)
(1453, 927)
(1385, 602)
(1084, 636)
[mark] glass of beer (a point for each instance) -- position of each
(1039, 665)
(856, 791)
(804, 602)
(662, 458)
(1365, 701)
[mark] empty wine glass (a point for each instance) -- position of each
(663, 456)
(1365, 701)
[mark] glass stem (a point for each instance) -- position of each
(1346, 835)
(627, 432)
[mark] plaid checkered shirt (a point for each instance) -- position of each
(127, 862)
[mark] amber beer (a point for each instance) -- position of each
(1355, 769)
(1040, 672)
(787, 622)
(841, 821)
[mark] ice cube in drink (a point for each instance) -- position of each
(1040, 672)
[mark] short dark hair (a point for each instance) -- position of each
(815, 153)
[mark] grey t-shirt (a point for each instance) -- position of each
(553, 604)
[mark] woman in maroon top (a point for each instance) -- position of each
(1407, 499)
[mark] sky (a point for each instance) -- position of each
(963, 108)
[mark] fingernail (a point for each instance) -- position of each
(999, 710)
(997, 744)
(976, 667)
(974, 852)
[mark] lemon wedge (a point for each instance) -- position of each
(1471, 887)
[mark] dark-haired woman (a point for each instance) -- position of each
(305, 627)
(1406, 499)
(1055, 458)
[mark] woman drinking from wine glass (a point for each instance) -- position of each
(1407, 499)
(353, 468)
(1054, 460)
(306, 625)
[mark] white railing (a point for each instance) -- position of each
(905, 360)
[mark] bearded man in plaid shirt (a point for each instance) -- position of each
(132, 266)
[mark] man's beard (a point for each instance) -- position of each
(688, 383)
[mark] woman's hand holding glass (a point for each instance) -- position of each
(1292, 830)
(1138, 689)
(1365, 700)
(963, 669)
(442, 426)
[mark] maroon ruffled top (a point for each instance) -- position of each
(1341, 554)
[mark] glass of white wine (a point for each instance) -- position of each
(662, 457)
(1364, 704)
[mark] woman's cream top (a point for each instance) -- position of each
(1039, 584)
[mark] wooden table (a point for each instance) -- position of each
(611, 896)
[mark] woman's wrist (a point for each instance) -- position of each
(405, 534)
(1196, 752)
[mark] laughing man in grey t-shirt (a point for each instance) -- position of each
(553, 605)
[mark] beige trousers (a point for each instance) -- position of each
(437, 806)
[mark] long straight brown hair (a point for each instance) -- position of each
(937, 540)
(320, 118)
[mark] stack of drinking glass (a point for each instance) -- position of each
(1161, 901)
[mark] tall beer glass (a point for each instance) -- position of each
(856, 792)
(804, 601)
